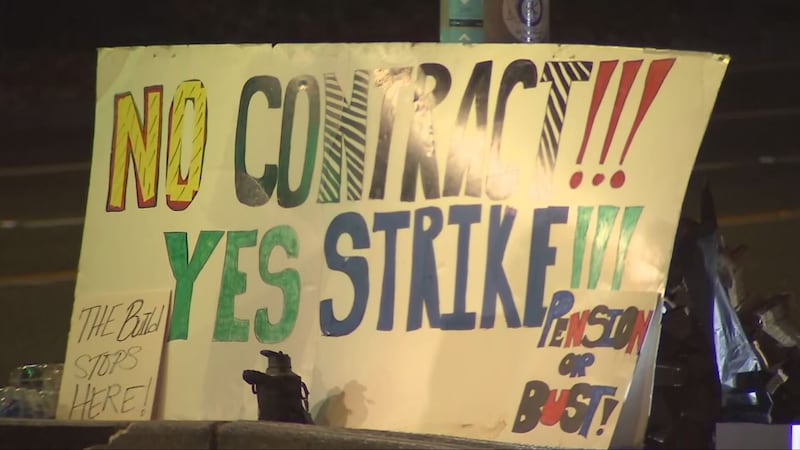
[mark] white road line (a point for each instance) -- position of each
(10, 224)
(37, 279)
(45, 169)
(754, 113)
(764, 160)
(758, 218)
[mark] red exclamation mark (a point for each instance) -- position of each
(655, 78)
(629, 71)
(603, 76)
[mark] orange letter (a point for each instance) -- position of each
(639, 330)
(137, 138)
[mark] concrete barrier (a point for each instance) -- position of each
(55, 434)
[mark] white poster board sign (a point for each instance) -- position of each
(445, 238)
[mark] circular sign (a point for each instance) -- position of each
(522, 19)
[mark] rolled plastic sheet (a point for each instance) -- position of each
(733, 351)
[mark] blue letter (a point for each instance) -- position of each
(560, 305)
(424, 281)
(390, 223)
(542, 255)
(597, 394)
(495, 281)
(355, 267)
(460, 319)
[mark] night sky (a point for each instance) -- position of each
(746, 28)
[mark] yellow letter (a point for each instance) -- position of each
(137, 138)
(181, 190)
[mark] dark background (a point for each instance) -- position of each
(750, 153)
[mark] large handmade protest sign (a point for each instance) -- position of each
(465, 240)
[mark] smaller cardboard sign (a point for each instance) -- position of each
(113, 356)
(631, 428)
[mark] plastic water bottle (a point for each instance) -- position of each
(282, 396)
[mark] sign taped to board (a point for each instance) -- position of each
(114, 356)
(466, 240)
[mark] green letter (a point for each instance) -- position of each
(252, 191)
(227, 327)
(287, 197)
(288, 280)
(185, 272)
